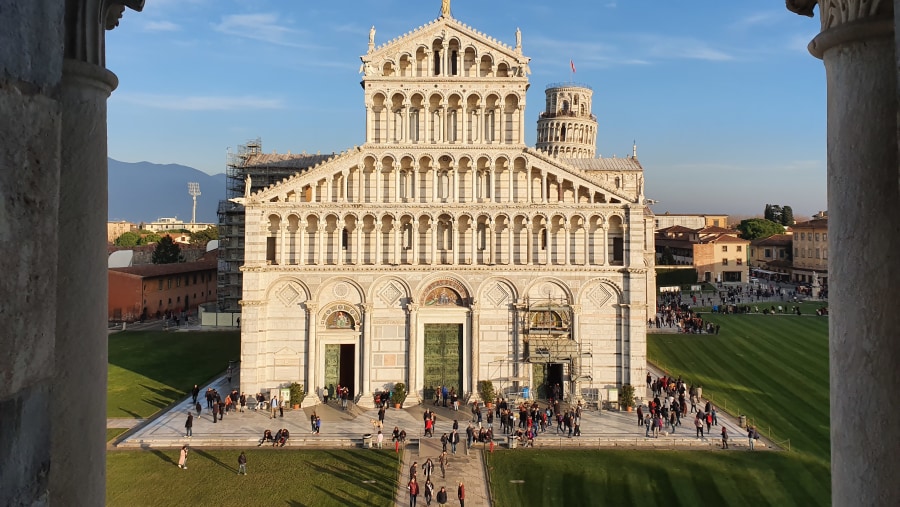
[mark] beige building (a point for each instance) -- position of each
(444, 251)
(770, 258)
(811, 251)
(721, 257)
(667, 220)
(116, 229)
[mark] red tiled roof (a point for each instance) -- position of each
(151, 270)
(818, 223)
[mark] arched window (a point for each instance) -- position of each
(345, 238)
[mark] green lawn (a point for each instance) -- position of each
(642, 477)
(773, 368)
(275, 477)
(150, 370)
(112, 433)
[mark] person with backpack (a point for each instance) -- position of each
(724, 437)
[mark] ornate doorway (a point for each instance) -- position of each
(443, 356)
(339, 366)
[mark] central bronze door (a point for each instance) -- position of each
(443, 356)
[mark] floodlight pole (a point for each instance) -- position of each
(194, 191)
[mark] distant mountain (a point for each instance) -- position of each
(143, 192)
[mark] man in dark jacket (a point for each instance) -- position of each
(195, 392)
(189, 425)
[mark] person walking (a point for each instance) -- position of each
(443, 461)
(182, 457)
(724, 437)
(429, 491)
(198, 408)
(215, 412)
(413, 487)
(442, 496)
(195, 392)
(461, 493)
(274, 406)
(189, 425)
(427, 468)
(242, 464)
(318, 425)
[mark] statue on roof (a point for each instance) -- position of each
(445, 8)
(372, 35)
(248, 184)
(518, 39)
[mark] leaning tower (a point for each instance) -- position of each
(567, 128)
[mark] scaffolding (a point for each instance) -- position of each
(264, 170)
(549, 341)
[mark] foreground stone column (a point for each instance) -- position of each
(859, 51)
(30, 71)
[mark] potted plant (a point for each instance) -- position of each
(297, 394)
(627, 397)
(486, 390)
(399, 395)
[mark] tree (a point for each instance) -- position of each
(767, 214)
(787, 216)
(773, 213)
(167, 251)
(150, 237)
(205, 236)
(668, 259)
(128, 239)
(755, 228)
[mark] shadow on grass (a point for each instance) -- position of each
(294, 503)
(163, 456)
(131, 413)
(215, 460)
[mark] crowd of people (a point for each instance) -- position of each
(428, 488)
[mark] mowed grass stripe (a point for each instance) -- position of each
(149, 370)
(772, 368)
(643, 477)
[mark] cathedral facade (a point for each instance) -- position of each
(444, 251)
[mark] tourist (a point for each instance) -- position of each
(413, 487)
(198, 408)
(242, 464)
(194, 393)
(215, 412)
(427, 468)
(444, 441)
(724, 437)
(266, 438)
(413, 470)
(243, 401)
(698, 423)
(454, 439)
(325, 394)
(461, 493)
(188, 425)
(429, 491)
(312, 423)
(182, 457)
(443, 461)
(442, 496)
(274, 406)
(379, 440)
(318, 425)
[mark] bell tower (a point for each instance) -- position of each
(567, 128)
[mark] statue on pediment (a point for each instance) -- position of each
(445, 8)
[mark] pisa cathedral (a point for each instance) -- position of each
(443, 250)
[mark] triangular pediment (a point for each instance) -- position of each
(447, 29)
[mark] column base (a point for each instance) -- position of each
(366, 401)
(310, 400)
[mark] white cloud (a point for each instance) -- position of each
(764, 18)
(199, 102)
(628, 49)
(265, 27)
(161, 26)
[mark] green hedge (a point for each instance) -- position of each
(668, 276)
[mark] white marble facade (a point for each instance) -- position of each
(443, 216)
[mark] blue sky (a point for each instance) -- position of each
(724, 101)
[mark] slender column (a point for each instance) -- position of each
(282, 229)
(434, 185)
(549, 251)
(320, 235)
(509, 242)
(521, 113)
(529, 183)
(395, 230)
(511, 197)
(452, 246)
(439, 125)
(412, 360)
(339, 239)
(397, 185)
(474, 178)
(301, 224)
(433, 229)
(415, 241)
(358, 245)
(378, 177)
(428, 65)
(377, 235)
(529, 229)
(475, 348)
(365, 354)
(404, 123)
(604, 245)
(345, 186)
(329, 183)
(361, 175)
(454, 191)
(545, 189)
(489, 239)
(587, 244)
(858, 46)
(474, 227)
(312, 357)
(492, 185)
(369, 119)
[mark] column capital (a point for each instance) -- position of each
(310, 307)
(86, 23)
(368, 308)
(576, 309)
(848, 20)
(412, 307)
